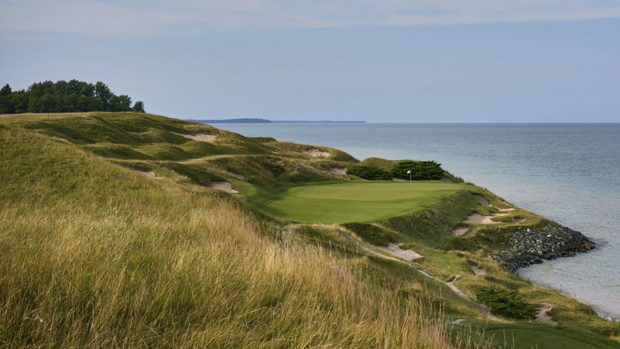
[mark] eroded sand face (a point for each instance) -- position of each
(236, 175)
(446, 180)
(482, 200)
(477, 218)
(477, 270)
(395, 250)
(341, 171)
(544, 317)
(150, 174)
(315, 152)
(199, 137)
(459, 231)
(225, 186)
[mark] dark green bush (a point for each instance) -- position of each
(369, 172)
(420, 170)
(507, 304)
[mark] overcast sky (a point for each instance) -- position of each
(373, 60)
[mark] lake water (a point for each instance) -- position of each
(569, 173)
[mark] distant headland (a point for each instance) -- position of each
(265, 121)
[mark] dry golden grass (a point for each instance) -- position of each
(94, 255)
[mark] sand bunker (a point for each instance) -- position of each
(398, 180)
(477, 218)
(225, 186)
(338, 170)
(150, 174)
(477, 270)
(236, 175)
(482, 200)
(457, 321)
(315, 152)
(446, 179)
(395, 250)
(198, 137)
(543, 316)
(506, 209)
(459, 231)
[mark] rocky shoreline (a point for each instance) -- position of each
(545, 242)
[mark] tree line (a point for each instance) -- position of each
(63, 97)
(419, 170)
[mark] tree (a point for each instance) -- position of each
(103, 92)
(6, 90)
(139, 107)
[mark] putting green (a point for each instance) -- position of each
(356, 201)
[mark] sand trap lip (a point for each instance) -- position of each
(477, 218)
(198, 137)
(477, 270)
(236, 175)
(482, 200)
(543, 317)
(315, 152)
(225, 186)
(395, 250)
(460, 231)
(341, 171)
(149, 174)
(446, 180)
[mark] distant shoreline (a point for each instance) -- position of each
(265, 121)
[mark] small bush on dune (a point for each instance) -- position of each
(507, 304)
(369, 172)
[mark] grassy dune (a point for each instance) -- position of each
(95, 253)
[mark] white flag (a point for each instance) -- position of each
(409, 172)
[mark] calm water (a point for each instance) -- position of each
(569, 173)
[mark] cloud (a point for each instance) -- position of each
(183, 17)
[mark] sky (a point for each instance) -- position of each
(372, 60)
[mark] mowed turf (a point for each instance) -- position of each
(362, 201)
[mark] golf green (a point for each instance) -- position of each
(356, 201)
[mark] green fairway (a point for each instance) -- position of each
(526, 336)
(356, 201)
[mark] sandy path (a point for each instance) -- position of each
(459, 231)
(198, 137)
(315, 152)
(455, 289)
(338, 170)
(477, 218)
(225, 186)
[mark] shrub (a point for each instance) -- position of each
(420, 170)
(507, 304)
(369, 172)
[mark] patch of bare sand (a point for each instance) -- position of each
(398, 180)
(457, 321)
(505, 209)
(459, 231)
(482, 200)
(543, 316)
(477, 270)
(236, 175)
(477, 218)
(315, 152)
(225, 186)
(150, 174)
(446, 180)
(198, 137)
(395, 250)
(341, 171)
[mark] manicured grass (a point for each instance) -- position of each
(358, 201)
(526, 336)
